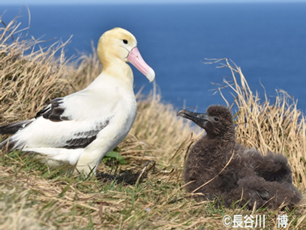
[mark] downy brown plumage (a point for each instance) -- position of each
(220, 168)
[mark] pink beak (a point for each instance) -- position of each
(136, 60)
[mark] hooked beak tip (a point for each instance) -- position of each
(181, 113)
(150, 75)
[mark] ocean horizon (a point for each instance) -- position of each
(267, 40)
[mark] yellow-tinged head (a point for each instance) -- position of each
(119, 45)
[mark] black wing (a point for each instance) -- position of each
(82, 139)
(14, 127)
(53, 111)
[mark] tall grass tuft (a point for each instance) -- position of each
(276, 126)
(30, 76)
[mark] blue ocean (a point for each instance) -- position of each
(268, 41)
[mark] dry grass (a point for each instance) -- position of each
(33, 197)
(26, 74)
(31, 76)
(277, 127)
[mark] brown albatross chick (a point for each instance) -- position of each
(220, 168)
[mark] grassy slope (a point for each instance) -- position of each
(34, 197)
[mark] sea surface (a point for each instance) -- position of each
(268, 41)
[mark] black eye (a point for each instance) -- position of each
(125, 41)
(216, 119)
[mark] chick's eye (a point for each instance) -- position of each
(216, 119)
(125, 41)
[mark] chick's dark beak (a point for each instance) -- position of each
(198, 118)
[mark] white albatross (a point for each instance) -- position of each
(79, 129)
